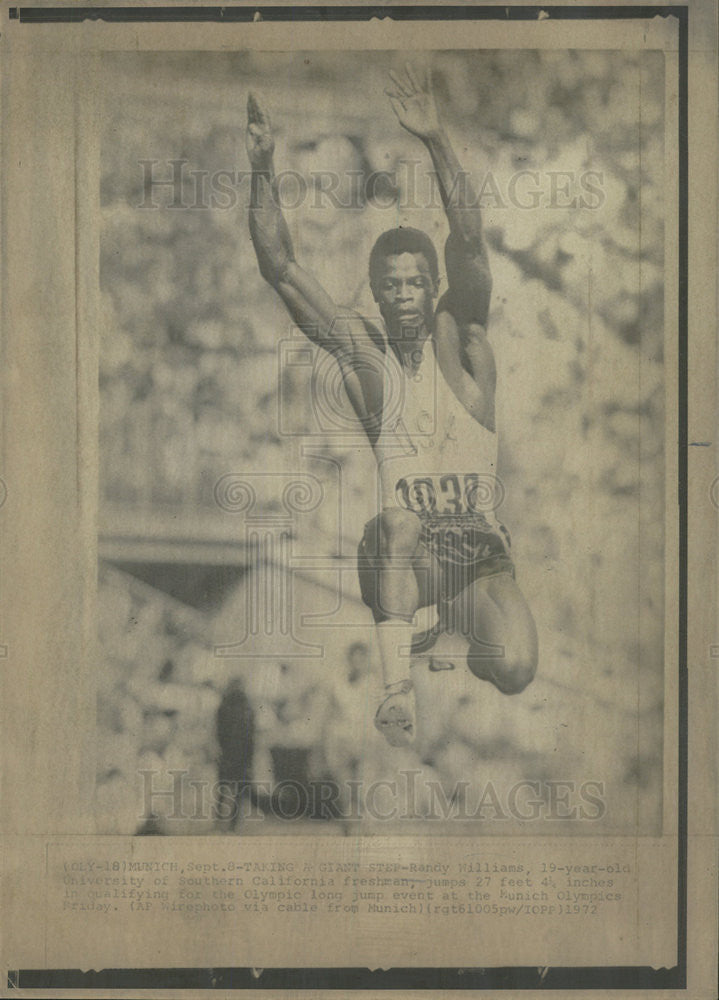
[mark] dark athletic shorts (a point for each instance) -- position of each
(466, 546)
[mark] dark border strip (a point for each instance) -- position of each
(517, 978)
(247, 14)
(683, 494)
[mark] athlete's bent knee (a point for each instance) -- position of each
(399, 532)
(515, 675)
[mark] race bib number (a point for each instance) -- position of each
(453, 493)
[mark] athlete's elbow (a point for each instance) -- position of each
(484, 281)
(273, 269)
(481, 298)
(339, 341)
(268, 273)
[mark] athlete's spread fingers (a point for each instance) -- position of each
(400, 84)
(397, 106)
(397, 103)
(412, 77)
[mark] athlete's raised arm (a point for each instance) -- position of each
(337, 329)
(468, 273)
(462, 346)
(314, 311)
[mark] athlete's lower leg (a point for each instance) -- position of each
(398, 598)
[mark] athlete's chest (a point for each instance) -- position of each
(418, 396)
(416, 391)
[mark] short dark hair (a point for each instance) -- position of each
(404, 239)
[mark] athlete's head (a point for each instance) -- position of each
(404, 278)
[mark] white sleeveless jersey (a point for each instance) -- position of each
(433, 456)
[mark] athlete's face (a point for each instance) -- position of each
(405, 292)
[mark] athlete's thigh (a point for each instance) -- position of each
(493, 614)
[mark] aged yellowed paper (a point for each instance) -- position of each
(359, 499)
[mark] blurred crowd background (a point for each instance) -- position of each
(567, 148)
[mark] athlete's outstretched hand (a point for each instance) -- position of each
(260, 141)
(413, 102)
